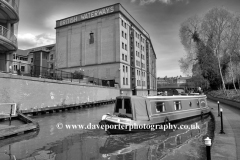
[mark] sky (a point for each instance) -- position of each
(160, 18)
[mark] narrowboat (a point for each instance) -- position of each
(137, 113)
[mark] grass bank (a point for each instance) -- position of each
(231, 94)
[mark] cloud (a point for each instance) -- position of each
(26, 41)
(167, 2)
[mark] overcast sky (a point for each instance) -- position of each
(160, 18)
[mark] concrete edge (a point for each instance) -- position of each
(30, 125)
(11, 76)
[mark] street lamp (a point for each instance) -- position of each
(208, 144)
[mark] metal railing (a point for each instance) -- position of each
(7, 109)
(26, 69)
(13, 4)
(5, 33)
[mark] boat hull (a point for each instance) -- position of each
(155, 127)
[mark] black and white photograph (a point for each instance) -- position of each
(119, 79)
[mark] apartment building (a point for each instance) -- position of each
(9, 19)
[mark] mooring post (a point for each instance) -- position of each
(10, 118)
(218, 109)
(221, 131)
(208, 147)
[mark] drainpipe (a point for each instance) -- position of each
(40, 64)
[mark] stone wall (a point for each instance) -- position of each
(29, 92)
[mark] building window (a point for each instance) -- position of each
(51, 57)
(125, 57)
(123, 81)
(122, 45)
(122, 56)
(122, 22)
(51, 66)
(15, 67)
(31, 60)
(126, 35)
(122, 34)
(22, 68)
(123, 68)
(125, 25)
(91, 40)
(126, 81)
(125, 47)
(126, 69)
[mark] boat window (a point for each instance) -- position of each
(118, 105)
(190, 104)
(160, 107)
(127, 106)
(198, 104)
(177, 105)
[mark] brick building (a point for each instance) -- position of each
(109, 44)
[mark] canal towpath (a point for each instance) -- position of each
(226, 146)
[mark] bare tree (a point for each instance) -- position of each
(232, 45)
(216, 23)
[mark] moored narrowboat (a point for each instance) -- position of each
(136, 113)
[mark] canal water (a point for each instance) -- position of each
(51, 143)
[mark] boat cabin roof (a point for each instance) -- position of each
(140, 107)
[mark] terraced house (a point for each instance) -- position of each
(108, 43)
(9, 19)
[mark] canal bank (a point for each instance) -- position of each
(10, 130)
(225, 146)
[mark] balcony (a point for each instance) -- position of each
(9, 10)
(8, 40)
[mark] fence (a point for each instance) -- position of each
(8, 34)
(25, 69)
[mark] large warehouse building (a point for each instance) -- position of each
(108, 43)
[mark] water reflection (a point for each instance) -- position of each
(151, 145)
(51, 144)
